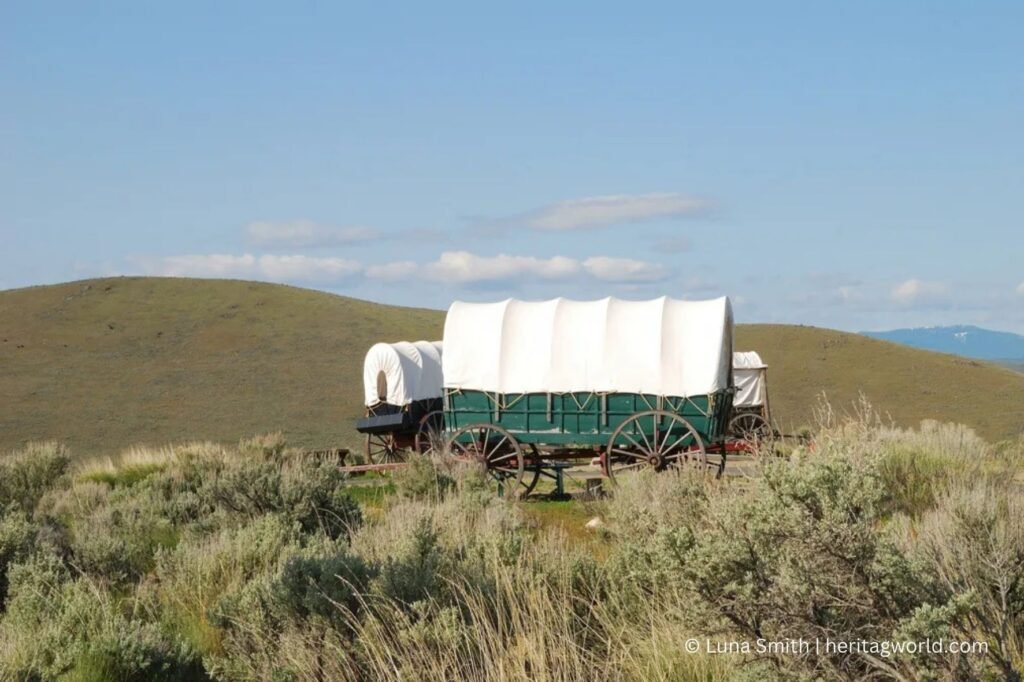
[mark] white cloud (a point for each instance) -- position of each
(1020, 289)
(208, 265)
(307, 268)
(305, 233)
(916, 292)
(624, 270)
(289, 268)
(592, 212)
(451, 267)
(464, 267)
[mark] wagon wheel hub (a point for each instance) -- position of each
(655, 460)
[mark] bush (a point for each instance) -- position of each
(296, 622)
(972, 544)
(119, 541)
(414, 572)
(57, 627)
(17, 537)
(310, 492)
(423, 479)
(25, 475)
(192, 579)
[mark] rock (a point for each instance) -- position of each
(595, 523)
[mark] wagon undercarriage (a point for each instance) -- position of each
(654, 439)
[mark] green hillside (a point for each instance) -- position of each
(107, 363)
(104, 363)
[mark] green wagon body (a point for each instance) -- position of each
(586, 420)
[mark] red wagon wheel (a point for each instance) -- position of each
(657, 439)
(382, 448)
(496, 450)
(430, 433)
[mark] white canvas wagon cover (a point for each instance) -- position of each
(749, 375)
(412, 371)
(663, 346)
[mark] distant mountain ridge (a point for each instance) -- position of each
(964, 340)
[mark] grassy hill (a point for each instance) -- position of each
(102, 364)
(906, 383)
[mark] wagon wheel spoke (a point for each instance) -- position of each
(677, 442)
(636, 443)
(460, 449)
(429, 434)
(382, 449)
(502, 458)
(627, 453)
(669, 434)
(635, 466)
(643, 434)
(492, 452)
(496, 450)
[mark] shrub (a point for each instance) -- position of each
(119, 541)
(782, 560)
(973, 545)
(423, 479)
(324, 586)
(79, 500)
(56, 627)
(25, 475)
(17, 537)
(309, 492)
(193, 578)
(414, 572)
(295, 622)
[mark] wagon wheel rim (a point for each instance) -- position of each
(382, 448)
(497, 451)
(753, 429)
(671, 441)
(430, 433)
(531, 471)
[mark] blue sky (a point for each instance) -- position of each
(852, 165)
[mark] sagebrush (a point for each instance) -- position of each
(256, 563)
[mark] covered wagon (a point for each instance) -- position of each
(639, 384)
(751, 416)
(402, 385)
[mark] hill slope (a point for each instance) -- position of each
(102, 364)
(105, 363)
(906, 383)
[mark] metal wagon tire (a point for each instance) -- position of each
(382, 448)
(497, 451)
(676, 445)
(531, 471)
(430, 433)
